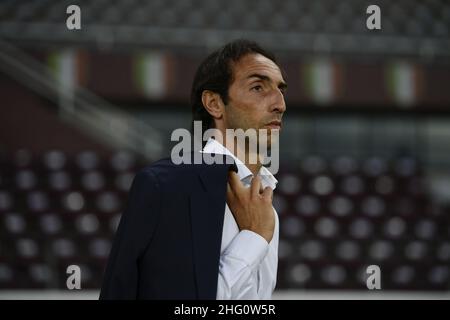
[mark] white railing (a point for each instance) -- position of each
(81, 108)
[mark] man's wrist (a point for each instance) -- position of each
(248, 246)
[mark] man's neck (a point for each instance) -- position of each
(254, 168)
(249, 158)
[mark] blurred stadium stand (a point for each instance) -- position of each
(365, 154)
(409, 26)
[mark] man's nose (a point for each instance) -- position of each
(278, 104)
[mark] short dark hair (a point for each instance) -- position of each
(215, 74)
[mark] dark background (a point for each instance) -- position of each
(365, 148)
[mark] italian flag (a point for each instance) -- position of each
(150, 74)
(321, 78)
(67, 66)
(404, 82)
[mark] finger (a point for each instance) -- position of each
(268, 193)
(234, 181)
(255, 185)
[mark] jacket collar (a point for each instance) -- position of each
(207, 207)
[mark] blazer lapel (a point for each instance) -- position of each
(207, 208)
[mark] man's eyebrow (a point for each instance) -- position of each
(282, 84)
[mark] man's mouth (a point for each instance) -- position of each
(274, 125)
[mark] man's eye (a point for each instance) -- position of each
(257, 88)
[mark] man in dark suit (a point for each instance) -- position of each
(188, 234)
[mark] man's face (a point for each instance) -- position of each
(256, 97)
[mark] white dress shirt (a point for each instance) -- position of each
(248, 264)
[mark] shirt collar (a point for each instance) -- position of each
(244, 173)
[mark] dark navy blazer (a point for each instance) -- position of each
(167, 245)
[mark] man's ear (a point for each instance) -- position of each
(213, 104)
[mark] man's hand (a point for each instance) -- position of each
(251, 207)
